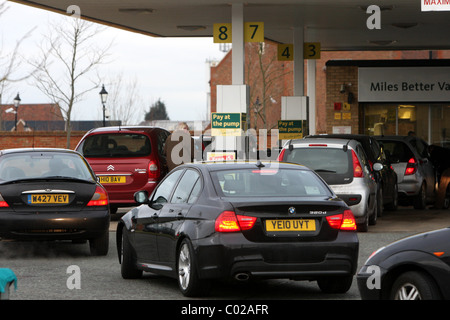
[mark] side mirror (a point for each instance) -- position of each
(377, 166)
(141, 197)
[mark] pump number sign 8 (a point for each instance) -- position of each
(253, 32)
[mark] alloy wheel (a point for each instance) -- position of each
(184, 266)
(408, 291)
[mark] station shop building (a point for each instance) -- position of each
(358, 92)
(390, 97)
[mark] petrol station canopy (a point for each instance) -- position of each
(336, 24)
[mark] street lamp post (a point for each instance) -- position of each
(103, 97)
(16, 105)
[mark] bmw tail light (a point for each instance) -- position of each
(357, 168)
(246, 222)
(345, 221)
(228, 221)
(3, 203)
(100, 198)
(411, 167)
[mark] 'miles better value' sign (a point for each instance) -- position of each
(402, 84)
(227, 124)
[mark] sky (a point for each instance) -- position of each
(171, 69)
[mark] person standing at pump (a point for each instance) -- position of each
(179, 152)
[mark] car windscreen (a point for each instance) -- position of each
(268, 183)
(121, 145)
(397, 151)
(31, 165)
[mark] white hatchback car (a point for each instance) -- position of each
(343, 165)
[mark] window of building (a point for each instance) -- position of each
(403, 118)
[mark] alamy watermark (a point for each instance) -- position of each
(74, 280)
(374, 280)
(374, 21)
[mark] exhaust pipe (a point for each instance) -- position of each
(242, 276)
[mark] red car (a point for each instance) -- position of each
(125, 160)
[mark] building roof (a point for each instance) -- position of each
(32, 112)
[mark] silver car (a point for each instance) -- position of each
(415, 172)
(343, 165)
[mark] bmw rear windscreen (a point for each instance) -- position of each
(269, 183)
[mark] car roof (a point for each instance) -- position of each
(126, 128)
(21, 150)
(244, 164)
(330, 142)
(396, 138)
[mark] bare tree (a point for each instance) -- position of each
(124, 100)
(71, 58)
(263, 73)
(11, 64)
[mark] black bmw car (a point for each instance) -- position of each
(52, 194)
(239, 221)
(414, 268)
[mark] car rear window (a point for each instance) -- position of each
(397, 151)
(268, 183)
(334, 165)
(332, 160)
(43, 165)
(116, 145)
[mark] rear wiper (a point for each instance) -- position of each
(325, 170)
(67, 178)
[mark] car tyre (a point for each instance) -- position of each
(414, 285)
(378, 212)
(420, 201)
(188, 281)
(364, 227)
(446, 203)
(392, 206)
(335, 284)
(128, 267)
(99, 246)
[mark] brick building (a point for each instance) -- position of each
(338, 106)
(29, 116)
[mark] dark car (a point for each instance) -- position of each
(240, 221)
(414, 268)
(52, 194)
(386, 178)
(126, 159)
(410, 158)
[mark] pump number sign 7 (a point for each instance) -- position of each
(253, 32)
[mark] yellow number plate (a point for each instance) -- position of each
(48, 198)
(291, 225)
(113, 179)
